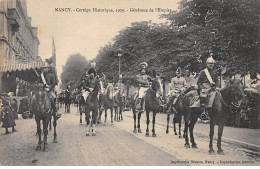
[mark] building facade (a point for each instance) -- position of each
(18, 41)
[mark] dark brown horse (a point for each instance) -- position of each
(42, 107)
(226, 99)
(91, 107)
(176, 110)
(152, 102)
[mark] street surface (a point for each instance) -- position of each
(118, 145)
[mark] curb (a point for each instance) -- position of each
(224, 139)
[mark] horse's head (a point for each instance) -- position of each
(236, 93)
(42, 100)
(157, 84)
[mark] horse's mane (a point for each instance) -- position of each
(235, 85)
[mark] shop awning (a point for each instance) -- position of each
(21, 67)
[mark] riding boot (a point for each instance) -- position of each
(138, 105)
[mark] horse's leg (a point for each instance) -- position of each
(39, 131)
(111, 110)
(180, 127)
(94, 118)
(45, 131)
(185, 134)
(87, 117)
(153, 130)
(211, 134)
(50, 125)
(116, 115)
(220, 131)
(168, 119)
(105, 116)
(134, 116)
(80, 117)
(121, 111)
(138, 125)
(147, 122)
(191, 127)
(174, 125)
(54, 126)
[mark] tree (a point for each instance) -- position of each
(75, 67)
(227, 28)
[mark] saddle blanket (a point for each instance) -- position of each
(195, 102)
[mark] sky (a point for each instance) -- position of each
(86, 32)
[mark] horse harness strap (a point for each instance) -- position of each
(223, 101)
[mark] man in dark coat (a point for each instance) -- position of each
(49, 81)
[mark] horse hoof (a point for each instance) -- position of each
(154, 135)
(195, 146)
(211, 152)
(180, 136)
(175, 133)
(147, 135)
(167, 131)
(187, 145)
(220, 152)
(55, 140)
(134, 131)
(45, 149)
(87, 134)
(93, 134)
(139, 131)
(38, 148)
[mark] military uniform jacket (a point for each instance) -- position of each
(50, 79)
(90, 83)
(120, 87)
(143, 79)
(202, 79)
(178, 83)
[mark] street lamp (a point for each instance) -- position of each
(119, 54)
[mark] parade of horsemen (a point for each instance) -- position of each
(187, 103)
(184, 91)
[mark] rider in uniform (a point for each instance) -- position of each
(207, 83)
(177, 86)
(49, 81)
(119, 86)
(143, 81)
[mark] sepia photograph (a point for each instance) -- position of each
(129, 83)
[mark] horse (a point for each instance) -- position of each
(41, 106)
(120, 103)
(132, 93)
(108, 101)
(152, 102)
(67, 101)
(176, 110)
(225, 100)
(92, 105)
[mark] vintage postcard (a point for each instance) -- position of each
(129, 83)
